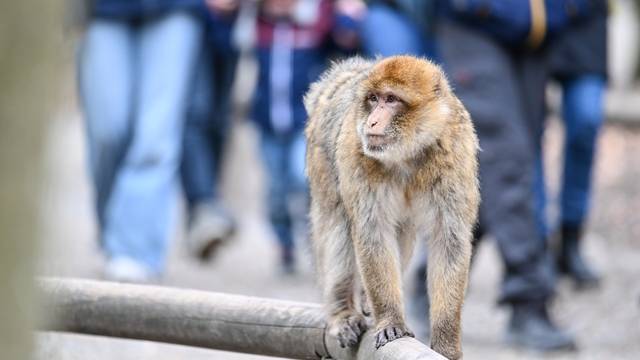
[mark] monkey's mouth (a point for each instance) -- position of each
(376, 142)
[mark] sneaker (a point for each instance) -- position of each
(124, 269)
(531, 327)
(210, 227)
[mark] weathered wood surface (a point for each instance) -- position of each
(208, 320)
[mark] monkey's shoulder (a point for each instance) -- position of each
(337, 84)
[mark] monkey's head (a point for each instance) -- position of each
(405, 104)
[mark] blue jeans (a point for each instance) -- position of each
(284, 158)
(582, 112)
(386, 32)
(134, 79)
(207, 124)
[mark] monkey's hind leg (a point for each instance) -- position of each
(337, 266)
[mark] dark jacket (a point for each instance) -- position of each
(582, 47)
(140, 8)
(309, 54)
(518, 22)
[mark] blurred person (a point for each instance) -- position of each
(208, 121)
(495, 54)
(578, 61)
(135, 67)
(396, 27)
(294, 39)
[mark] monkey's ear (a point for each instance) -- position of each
(437, 85)
(440, 84)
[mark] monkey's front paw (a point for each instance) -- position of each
(348, 328)
(390, 333)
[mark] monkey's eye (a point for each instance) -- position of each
(392, 99)
(372, 98)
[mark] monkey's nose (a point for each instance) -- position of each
(373, 123)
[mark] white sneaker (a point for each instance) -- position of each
(124, 269)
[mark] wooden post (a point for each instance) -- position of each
(31, 54)
(209, 320)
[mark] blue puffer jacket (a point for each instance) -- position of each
(139, 8)
(517, 22)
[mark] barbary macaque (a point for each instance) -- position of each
(391, 156)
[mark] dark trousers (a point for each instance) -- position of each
(503, 90)
(207, 124)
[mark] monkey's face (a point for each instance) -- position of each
(403, 108)
(379, 128)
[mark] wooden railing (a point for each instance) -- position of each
(207, 320)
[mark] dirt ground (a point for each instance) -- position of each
(606, 322)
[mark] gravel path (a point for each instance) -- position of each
(606, 322)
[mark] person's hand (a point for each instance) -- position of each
(223, 7)
(349, 13)
(355, 9)
(279, 9)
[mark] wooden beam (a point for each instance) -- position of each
(208, 320)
